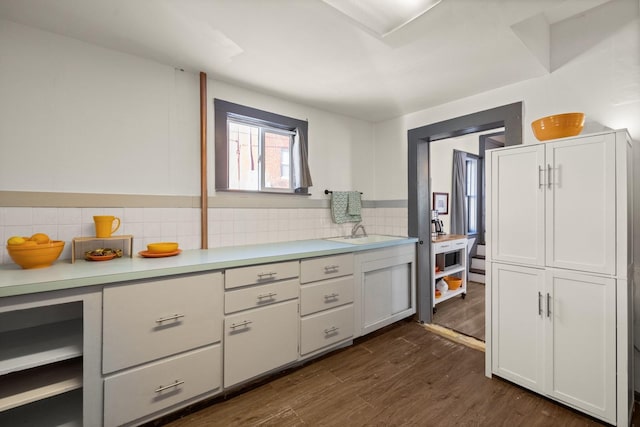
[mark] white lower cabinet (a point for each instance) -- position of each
(259, 340)
(153, 387)
(387, 289)
(161, 345)
(554, 332)
(326, 328)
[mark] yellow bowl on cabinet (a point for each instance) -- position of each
(558, 126)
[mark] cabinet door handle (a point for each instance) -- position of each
(269, 275)
(331, 296)
(548, 305)
(331, 330)
(162, 388)
(238, 325)
(549, 175)
(331, 268)
(540, 303)
(540, 177)
(269, 295)
(166, 319)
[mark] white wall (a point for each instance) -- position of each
(441, 167)
(598, 83)
(76, 117)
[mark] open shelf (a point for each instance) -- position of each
(63, 410)
(449, 271)
(40, 345)
(31, 385)
(450, 294)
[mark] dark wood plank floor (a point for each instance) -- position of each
(403, 375)
(464, 315)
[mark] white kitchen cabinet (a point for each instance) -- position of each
(550, 341)
(385, 291)
(326, 303)
(260, 340)
(50, 359)
(559, 288)
(157, 386)
(261, 324)
(570, 186)
(161, 345)
(149, 320)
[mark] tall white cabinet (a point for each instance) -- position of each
(559, 285)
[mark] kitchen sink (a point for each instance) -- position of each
(362, 240)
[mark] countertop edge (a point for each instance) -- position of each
(191, 261)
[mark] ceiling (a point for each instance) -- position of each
(306, 51)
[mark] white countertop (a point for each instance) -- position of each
(65, 275)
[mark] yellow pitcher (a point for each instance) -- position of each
(105, 225)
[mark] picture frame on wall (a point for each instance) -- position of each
(441, 203)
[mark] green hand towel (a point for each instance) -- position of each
(340, 206)
(355, 203)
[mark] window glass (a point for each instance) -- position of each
(471, 195)
(259, 151)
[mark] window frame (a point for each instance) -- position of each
(224, 110)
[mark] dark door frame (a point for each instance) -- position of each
(419, 202)
(486, 140)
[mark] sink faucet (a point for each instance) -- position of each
(354, 230)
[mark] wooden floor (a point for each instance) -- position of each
(400, 376)
(464, 315)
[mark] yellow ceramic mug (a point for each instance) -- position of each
(104, 225)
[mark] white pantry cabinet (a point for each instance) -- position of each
(559, 292)
(552, 342)
(570, 186)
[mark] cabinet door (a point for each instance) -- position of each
(259, 340)
(518, 325)
(517, 205)
(581, 342)
(581, 197)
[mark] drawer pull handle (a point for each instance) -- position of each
(331, 330)
(269, 295)
(237, 325)
(269, 275)
(331, 268)
(331, 296)
(162, 388)
(166, 319)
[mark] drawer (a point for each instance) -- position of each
(149, 320)
(326, 294)
(312, 270)
(326, 328)
(260, 340)
(259, 274)
(260, 296)
(451, 245)
(142, 391)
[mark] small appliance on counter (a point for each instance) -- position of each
(436, 225)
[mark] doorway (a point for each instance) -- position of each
(419, 196)
(456, 169)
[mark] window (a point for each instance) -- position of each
(471, 194)
(259, 151)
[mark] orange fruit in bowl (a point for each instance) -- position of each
(40, 238)
(16, 240)
(30, 243)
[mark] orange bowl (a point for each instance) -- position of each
(36, 256)
(453, 282)
(558, 126)
(162, 247)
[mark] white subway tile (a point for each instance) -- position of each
(18, 216)
(132, 215)
(69, 216)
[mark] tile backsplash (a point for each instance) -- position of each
(226, 226)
